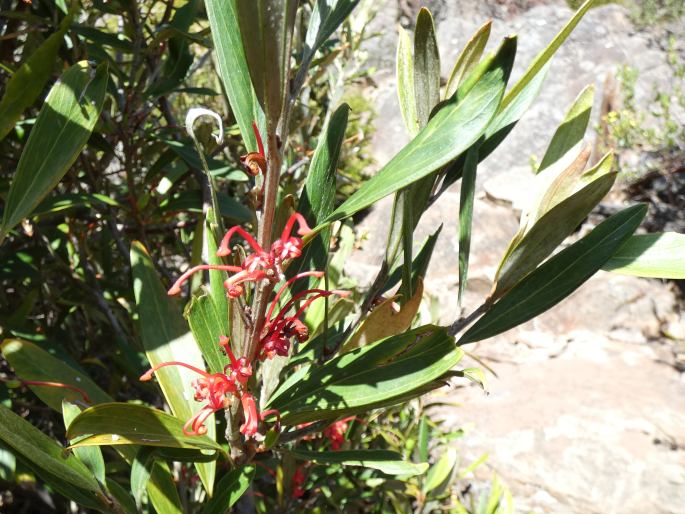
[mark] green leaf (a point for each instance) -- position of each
(233, 69)
(452, 130)
(141, 470)
(128, 423)
(381, 373)
(229, 490)
(122, 496)
(419, 265)
(59, 203)
(558, 277)
(388, 462)
(651, 255)
(405, 83)
(64, 124)
(440, 472)
(31, 362)
(327, 16)
(266, 28)
(468, 58)
(26, 84)
(162, 490)
(467, 194)
(423, 437)
(532, 246)
(318, 195)
(207, 327)
(44, 453)
(571, 130)
(165, 337)
(543, 57)
(426, 66)
(191, 201)
(91, 457)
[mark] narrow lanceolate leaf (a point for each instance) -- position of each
(543, 57)
(31, 362)
(452, 130)
(388, 462)
(405, 83)
(522, 95)
(572, 129)
(651, 255)
(208, 326)
(327, 16)
(48, 458)
(62, 129)
(547, 230)
(419, 265)
(165, 337)
(128, 423)
(229, 490)
(233, 68)
(558, 277)
(162, 491)
(382, 373)
(440, 472)
(26, 84)
(467, 194)
(266, 28)
(468, 58)
(92, 456)
(426, 66)
(318, 195)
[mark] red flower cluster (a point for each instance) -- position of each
(218, 389)
(335, 432)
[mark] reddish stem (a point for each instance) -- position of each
(176, 288)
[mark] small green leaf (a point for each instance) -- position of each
(440, 472)
(91, 457)
(128, 423)
(327, 16)
(43, 453)
(558, 277)
(122, 496)
(468, 58)
(229, 490)
(419, 265)
(233, 68)
(405, 83)
(467, 194)
(571, 130)
(651, 255)
(64, 124)
(388, 462)
(426, 67)
(381, 373)
(26, 84)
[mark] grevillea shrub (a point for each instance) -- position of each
(176, 294)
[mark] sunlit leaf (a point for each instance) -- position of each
(558, 277)
(388, 462)
(659, 255)
(64, 124)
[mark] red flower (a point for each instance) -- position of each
(299, 479)
(335, 432)
(251, 425)
(214, 388)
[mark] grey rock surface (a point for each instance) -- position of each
(587, 413)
